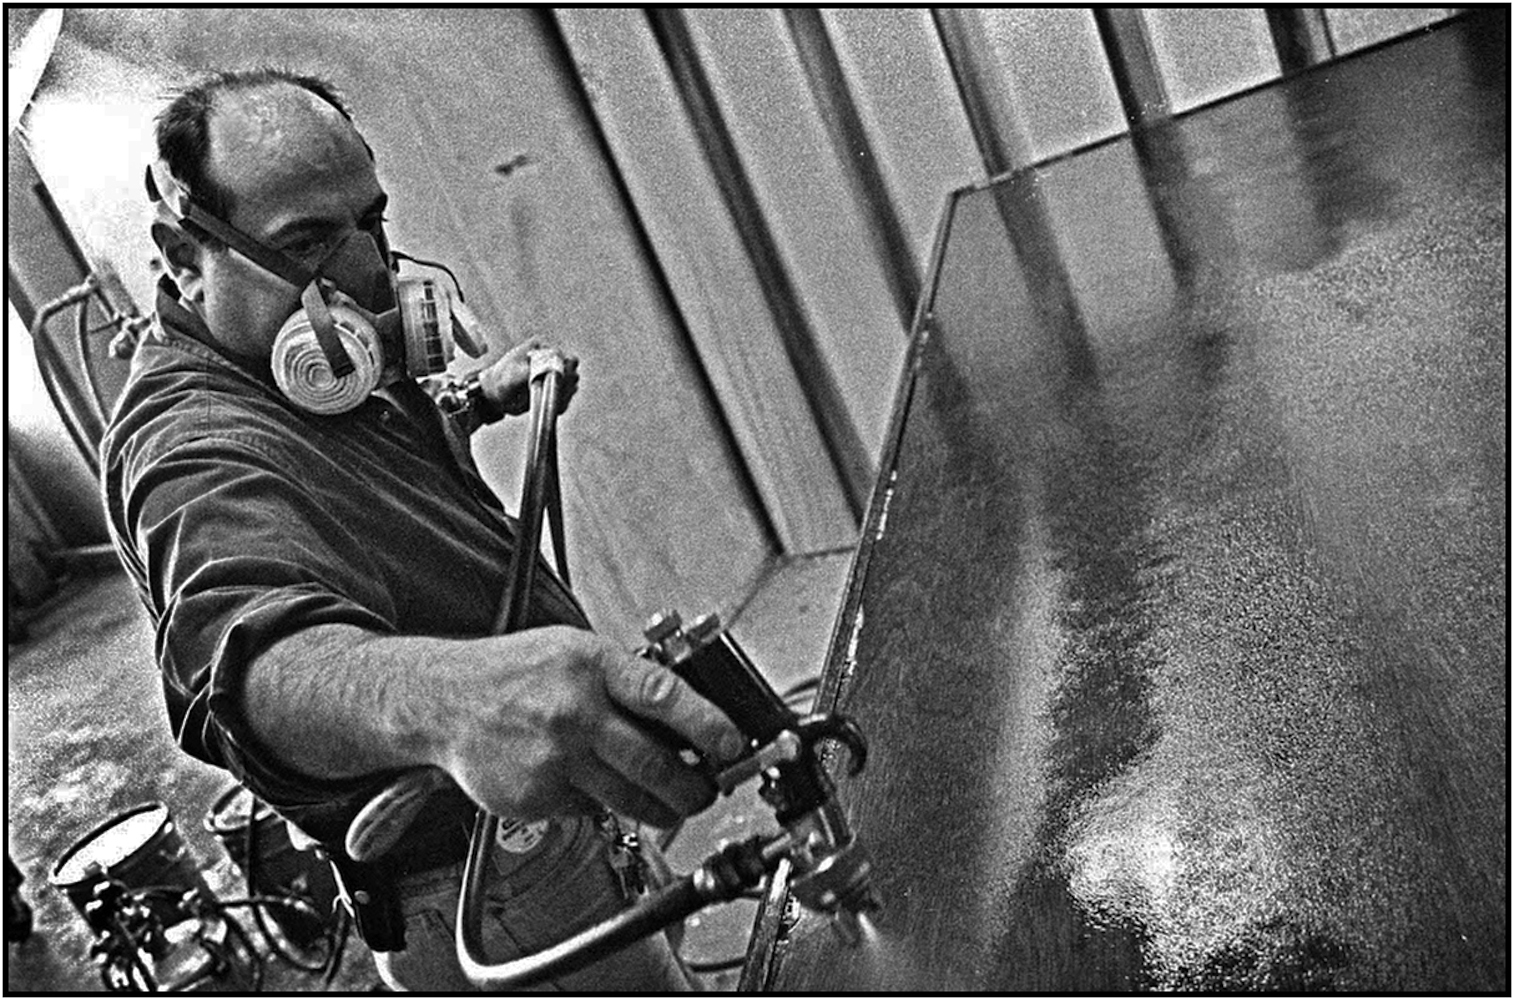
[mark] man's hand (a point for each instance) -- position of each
(555, 720)
(541, 722)
(506, 382)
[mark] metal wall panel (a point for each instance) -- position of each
(815, 219)
(898, 75)
(1055, 74)
(1206, 53)
(701, 253)
(1353, 28)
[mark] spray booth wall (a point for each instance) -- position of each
(723, 212)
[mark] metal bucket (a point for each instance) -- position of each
(258, 843)
(140, 848)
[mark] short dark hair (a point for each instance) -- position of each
(183, 127)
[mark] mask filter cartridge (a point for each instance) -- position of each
(419, 338)
(304, 374)
(432, 327)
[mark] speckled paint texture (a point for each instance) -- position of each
(1183, 649)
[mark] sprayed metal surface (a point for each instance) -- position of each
(1184, 658)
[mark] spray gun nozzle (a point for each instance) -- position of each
(833, 876)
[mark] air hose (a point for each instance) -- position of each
(541, 496)
(725, 876)
(539, 491)
(831, 869)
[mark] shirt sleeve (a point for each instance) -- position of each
(238, 555)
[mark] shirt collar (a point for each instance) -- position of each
(172, 314)
(184, 328)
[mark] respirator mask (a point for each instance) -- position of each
(360, 325)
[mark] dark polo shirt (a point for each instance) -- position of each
(243, 519)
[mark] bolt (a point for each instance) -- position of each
(703, 629)
(662, 625)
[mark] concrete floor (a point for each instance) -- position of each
(87, 739)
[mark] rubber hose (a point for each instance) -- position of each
(651, 914)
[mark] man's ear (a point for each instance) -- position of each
(183, 256)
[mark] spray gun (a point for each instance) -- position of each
(830, 871)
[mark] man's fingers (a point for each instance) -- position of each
(608, 786)
(652, 766)
(654, 692)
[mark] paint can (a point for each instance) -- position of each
(178, 948)
(140, 848)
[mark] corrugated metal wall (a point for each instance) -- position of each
(723, 211)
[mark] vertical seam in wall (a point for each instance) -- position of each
(1292, 39)
(966, 97)
(1137, 76)
(683, 337)
(817, 383)
(1330, 43)
(1002, 143)
(859, 163)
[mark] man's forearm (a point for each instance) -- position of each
(529, 724)
(337, 701)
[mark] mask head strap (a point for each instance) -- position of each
(325, 331)
(184, 212)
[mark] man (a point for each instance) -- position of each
(323, 584)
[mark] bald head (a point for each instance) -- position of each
(185, 125)
(278, 159)
(268, 144)
(263, 121)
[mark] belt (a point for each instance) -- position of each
(370, 888)
(440, 837)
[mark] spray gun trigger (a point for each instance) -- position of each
(785, 747)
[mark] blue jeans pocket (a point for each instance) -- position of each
(535, 899)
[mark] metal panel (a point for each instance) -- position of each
(1353, 28)
(1207, 53)
(1161, 653)
(858, 160)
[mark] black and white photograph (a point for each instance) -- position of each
(798, 500)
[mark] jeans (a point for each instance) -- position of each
(548, 880)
